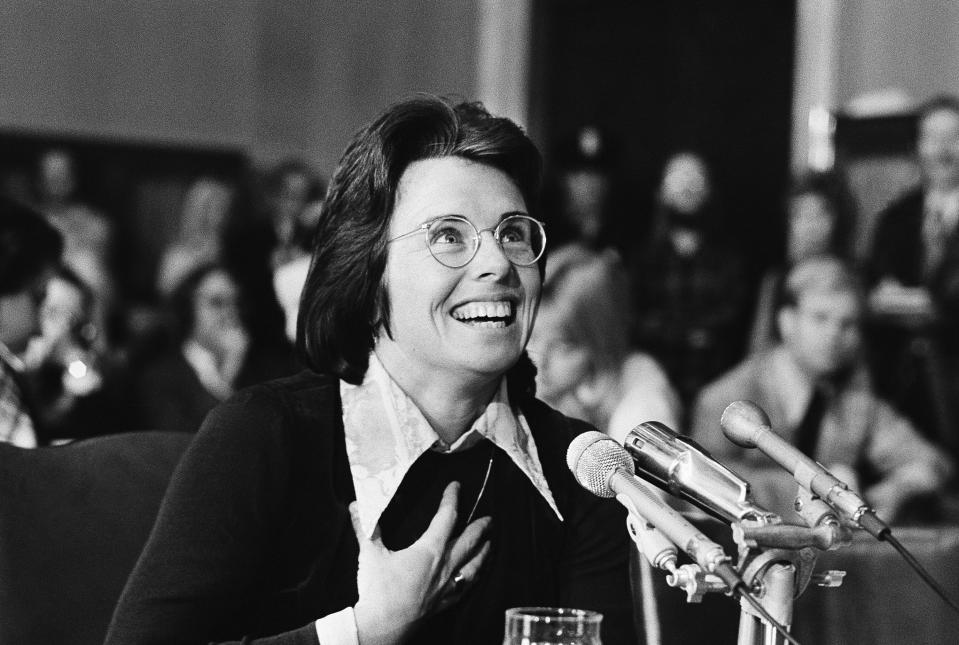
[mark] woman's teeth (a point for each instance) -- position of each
(485, 314)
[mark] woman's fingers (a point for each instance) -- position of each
(469, 542)
(463, 577)
(441, 526)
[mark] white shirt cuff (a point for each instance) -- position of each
(338, 628)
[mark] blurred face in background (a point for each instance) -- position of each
(811, 226)
(822, 331)
(939, 149)
(20, 314)
(685, 186)
(291, 198)
(64, 309)
(562, 363)
(216, 310)
(585, 193)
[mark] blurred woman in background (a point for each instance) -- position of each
(586, 367)
(215, 351)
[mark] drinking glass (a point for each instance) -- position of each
(552, 626)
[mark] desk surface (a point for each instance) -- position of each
(882, 601)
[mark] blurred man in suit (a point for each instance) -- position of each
(819, 398)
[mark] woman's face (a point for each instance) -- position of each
(63, 309)
(561, 362)
(685, 185)
(472, 320)
(215, 308)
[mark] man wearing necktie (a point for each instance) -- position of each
(819, 398)
(913, 274)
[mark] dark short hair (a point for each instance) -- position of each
(821, 274)
(344, 302)
(182, 299)
(29, 245)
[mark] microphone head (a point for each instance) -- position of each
(742, 421)
(593, 457)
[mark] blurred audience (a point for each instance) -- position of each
(688, 281)
(30, 249)
(77, 379)
(200, 233)
(818, 221)
(293, 196)
(581, 192)
(916, 245)
(216, 349)
(294, 200)
(581, 347)
(818, 397)
(913, 271)
(87, 233)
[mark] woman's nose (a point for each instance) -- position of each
(490, 256)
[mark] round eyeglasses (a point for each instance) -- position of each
(453, 240)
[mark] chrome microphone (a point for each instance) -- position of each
(680, 466)
(602, 467)
(745, 424)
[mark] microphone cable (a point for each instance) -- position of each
(738, 587)
(887, 536)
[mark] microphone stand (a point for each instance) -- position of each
(776, 562)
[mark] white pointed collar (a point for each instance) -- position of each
(386, 433)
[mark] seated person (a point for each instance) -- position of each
(818, 397)
(88, 234)
(688, 280)
(409, 487)
(30, 249)
(817, 222)
(76, 376)
(581, 348)
(198, 240)
(215, 352)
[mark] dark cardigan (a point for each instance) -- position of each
(253, 541)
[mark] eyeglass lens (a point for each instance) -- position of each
(453, 241)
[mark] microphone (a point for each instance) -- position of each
(682, 467)
(746, 425)
(604, 468)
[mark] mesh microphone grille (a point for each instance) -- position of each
(593, 457)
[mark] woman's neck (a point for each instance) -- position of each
(450, 405)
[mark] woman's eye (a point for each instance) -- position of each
(446, 235)
(513, 234)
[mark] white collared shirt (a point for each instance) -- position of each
(386, 433)
(787, 372)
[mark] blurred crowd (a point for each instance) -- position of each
(853, 358)
(222, 315)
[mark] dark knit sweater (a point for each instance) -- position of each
(254, 542)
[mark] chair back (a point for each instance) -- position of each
(73, 520)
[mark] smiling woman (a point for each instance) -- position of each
(408, 487)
